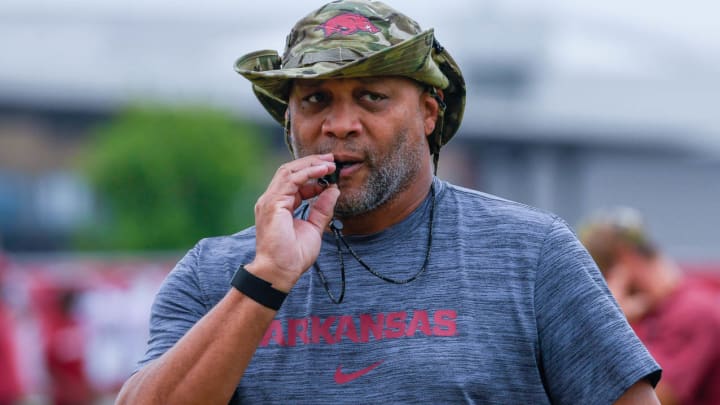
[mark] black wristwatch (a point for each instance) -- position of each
(257, 289)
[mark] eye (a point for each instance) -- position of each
(314, 98)
(373, 97)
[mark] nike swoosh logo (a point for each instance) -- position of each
(344, 378)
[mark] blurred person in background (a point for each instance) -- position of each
(10, 384)
(676, 315)
(64, 351)
(453, 296)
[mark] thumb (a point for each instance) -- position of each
(323, 208)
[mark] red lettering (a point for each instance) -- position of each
(274, 332)
(346, 327)
(445, 322)
(395, 323)
(297, 328)
(321, 329)
(333, 329)
(420, 321)
(367, 325)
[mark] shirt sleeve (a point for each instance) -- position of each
(177, 307)
(588, 352)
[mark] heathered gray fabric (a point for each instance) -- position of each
(511, 310)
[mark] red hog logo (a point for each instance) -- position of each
(348, 24)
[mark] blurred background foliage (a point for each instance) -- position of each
(164, 177)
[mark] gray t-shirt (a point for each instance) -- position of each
(511, 310)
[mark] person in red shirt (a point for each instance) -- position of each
(676, 315)
(65, 353)
(10, 386)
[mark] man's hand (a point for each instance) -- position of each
(286, 246)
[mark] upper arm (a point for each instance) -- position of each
(641, 393)
(178, 305)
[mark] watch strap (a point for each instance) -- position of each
(257, 289)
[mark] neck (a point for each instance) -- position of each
(391, 212)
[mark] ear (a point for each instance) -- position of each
(288, 132)
(430, 108)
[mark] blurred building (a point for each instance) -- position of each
(41, 197)
(572, 105)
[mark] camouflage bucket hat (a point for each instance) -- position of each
(355, 38)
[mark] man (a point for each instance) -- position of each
(677, 316)
(417, 290)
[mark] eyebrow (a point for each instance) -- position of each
(314, 83)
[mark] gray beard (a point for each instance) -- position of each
(389, 175)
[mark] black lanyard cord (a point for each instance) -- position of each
(336, 228)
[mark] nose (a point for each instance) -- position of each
(342, 120)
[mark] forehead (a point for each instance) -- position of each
(374, 81)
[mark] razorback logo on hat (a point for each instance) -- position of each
(347, 24)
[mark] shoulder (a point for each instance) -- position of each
(227, 248)
(492, 214)
(506, 234)
(206, 269)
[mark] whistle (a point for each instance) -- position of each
(331, 178)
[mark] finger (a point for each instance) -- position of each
(306, 162)
(311, 189)
(323, 208)
(296, 173)
(303, 182)
(307, 191)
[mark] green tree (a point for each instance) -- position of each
(165, 177)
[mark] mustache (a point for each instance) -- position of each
(339, 148)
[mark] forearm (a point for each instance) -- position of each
(205, 365)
